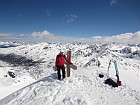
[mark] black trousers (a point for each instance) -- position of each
(59, 68)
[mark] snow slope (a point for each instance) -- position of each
(39, 85)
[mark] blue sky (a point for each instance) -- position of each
(69, 18)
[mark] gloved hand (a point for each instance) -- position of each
(54, 68)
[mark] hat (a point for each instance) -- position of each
(61, 52)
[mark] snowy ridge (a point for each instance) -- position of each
(38, 85)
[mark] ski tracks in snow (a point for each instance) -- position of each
(80, 90)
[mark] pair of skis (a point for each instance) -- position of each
(117, 71)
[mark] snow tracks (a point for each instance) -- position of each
(80, 90)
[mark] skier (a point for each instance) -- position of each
(59, 63)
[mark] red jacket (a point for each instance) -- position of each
(60, 60)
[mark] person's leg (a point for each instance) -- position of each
(58, 73)
(63, 72)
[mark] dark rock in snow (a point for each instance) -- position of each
(11, 74)
(126, 50)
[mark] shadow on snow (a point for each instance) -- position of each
(18, 60)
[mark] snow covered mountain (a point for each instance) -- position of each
(27, 76)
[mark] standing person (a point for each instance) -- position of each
(60, 60)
